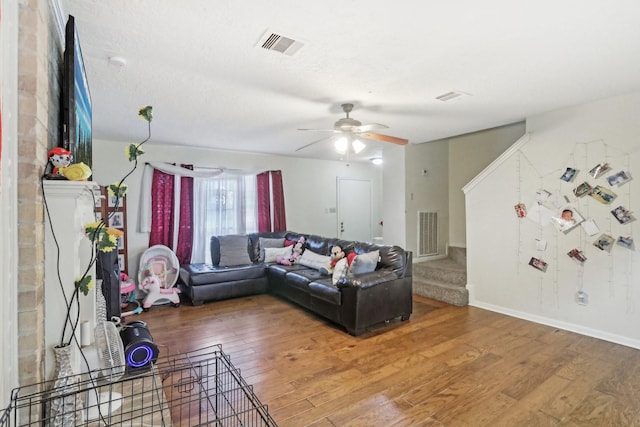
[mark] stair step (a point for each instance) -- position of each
(442, 271)
(455, 294)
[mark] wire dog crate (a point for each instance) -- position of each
(199, 388)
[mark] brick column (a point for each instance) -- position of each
(39, 65)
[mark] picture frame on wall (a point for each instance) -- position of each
(117, 220)
(114, 201)
(121, 262)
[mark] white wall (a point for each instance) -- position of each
(428, 191)
(309, 185)
(468, 155)
(499, 245)
(393, 196)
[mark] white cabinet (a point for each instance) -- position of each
(68, 253)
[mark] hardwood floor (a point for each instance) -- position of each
(446, 366)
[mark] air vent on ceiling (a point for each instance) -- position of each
(450, 95)
(279, 43)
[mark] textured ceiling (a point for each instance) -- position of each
(198, 63)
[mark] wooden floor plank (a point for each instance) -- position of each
(446, 366)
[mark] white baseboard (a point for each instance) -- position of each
(582, 330)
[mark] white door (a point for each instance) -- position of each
(354, 209)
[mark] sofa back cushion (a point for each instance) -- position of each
(254, 242)
(269, 242)
(231, 250)
(391, 257)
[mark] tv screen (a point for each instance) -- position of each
(76, 99)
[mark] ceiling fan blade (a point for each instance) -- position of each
(314, 142)
(370, 127)
(320, 130)
(386, 138)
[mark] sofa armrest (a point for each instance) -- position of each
(368, 280)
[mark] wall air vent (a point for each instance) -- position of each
(427, 233)
(279, 43)
(451, 95)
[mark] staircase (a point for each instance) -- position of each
(443, 279)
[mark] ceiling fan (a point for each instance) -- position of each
(352, 132)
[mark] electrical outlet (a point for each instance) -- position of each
(582, 298)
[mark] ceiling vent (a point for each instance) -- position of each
(450, 96)
(279, 43)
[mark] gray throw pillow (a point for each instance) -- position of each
(364, 263)
(264, 242)
(234, 250)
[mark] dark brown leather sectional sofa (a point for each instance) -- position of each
(356, 303)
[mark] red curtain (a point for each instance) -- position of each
(279, 217)
(162, 214)
(185, 233)
(266, 182)
(162, 209)
(264, 202)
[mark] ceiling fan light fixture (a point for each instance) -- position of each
(376, 160)
(341, 145)
(358, 146)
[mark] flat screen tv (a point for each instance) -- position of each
(76, 99)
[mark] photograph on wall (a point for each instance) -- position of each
(577, 255)
(116, 220)
(569, 174)
(121, 262)
(622, 215)
(582, 189)
(599, 169)
(540, 214)
(521, 210)
(97, 196)
(541, 245)
(538, 264)
(590, 227)
(626, 242)
(604, 242)
(567, 218)
(114, 201)
(121, 243)
(98, 216)
(602, 194)
(619, 178)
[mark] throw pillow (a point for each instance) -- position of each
(234, 250)
(264, 242)
(364, 263)
(272, 254)
(316, 261)
(339, 270)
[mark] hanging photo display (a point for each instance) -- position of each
(626, 242)
(582, 189)
(577, 255)
(619, 178)
(622, 215)
(604, 242)
(567, 218)
(569, 174)
(602, 194)
(521, 210)
(538, 264)
(599, 169)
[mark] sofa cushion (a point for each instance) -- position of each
(339, 270)
(326, 291)
(316, 261)
(234, 250)
(301, 278)
(272, 254)
(364, 263)
(265, 242)
(206, 274)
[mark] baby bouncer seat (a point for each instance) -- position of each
(157, 275)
